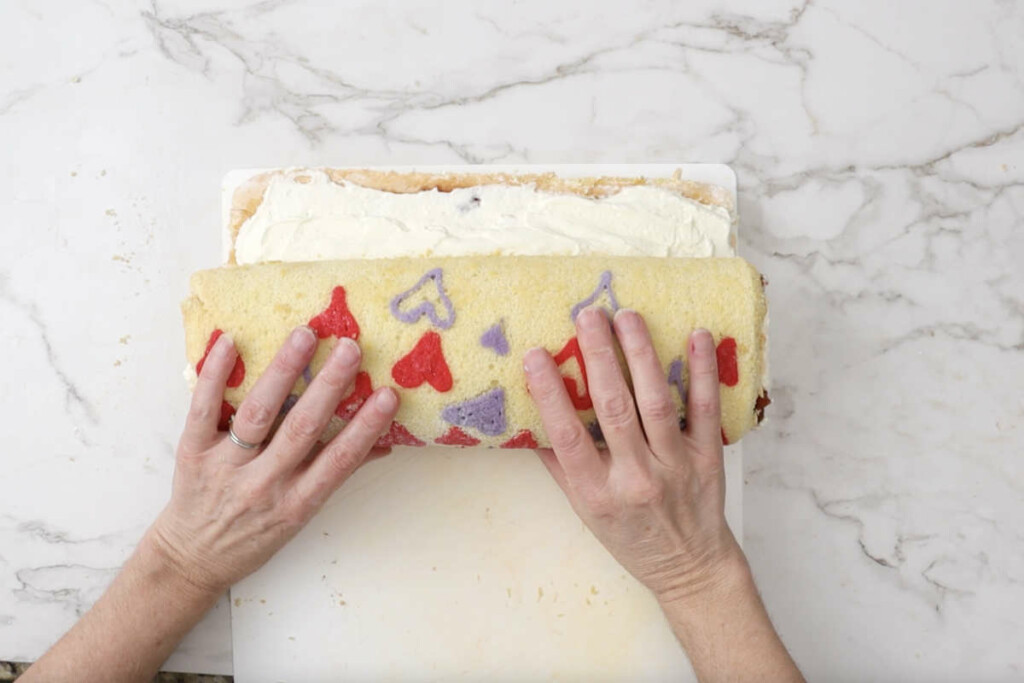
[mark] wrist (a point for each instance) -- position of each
(158, 560)
(724, 611)
(725, 579)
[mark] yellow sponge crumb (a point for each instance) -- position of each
(450, 333)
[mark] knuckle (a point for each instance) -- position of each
(567, 437)
(546, 388)
(599, 504)
(341, 460)
(369, 422)
(657, 408)
(639, 348)
(704, 407)
(646, 492)
(704, 368)
(604, 353)
(287, 362)
(301, 426)
(615, 409)
(200, 412)
(253, 495)
(336, 377)
(190, 454)
(255, 412)
(296, 513)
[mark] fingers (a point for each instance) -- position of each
(204, 412)
(259, 410)
(349, 448)
(650, 386)
(573, 447)
(703, 410)
(307, 420)
(612, 399)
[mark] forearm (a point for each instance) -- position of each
(726, 631)
(132, 628)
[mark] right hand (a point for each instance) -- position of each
(656, 497)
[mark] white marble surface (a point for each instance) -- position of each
(878, 147)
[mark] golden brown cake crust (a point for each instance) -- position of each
(248, 196)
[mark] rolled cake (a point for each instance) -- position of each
(449, 333)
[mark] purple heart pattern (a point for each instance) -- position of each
(602, 294)
(675, 377)
(485, 413)
(421, 303)
(494, 338)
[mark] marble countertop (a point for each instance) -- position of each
(878, 147)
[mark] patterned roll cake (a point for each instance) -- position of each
(449, 334)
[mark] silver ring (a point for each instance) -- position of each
(238, 441)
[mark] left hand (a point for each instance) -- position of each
(232, 508)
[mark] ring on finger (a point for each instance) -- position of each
(237, 440)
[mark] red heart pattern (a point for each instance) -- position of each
(580, 400)
(425, 363)
(398, 435)
(226, 411)
(362, 388)
(336, 320)
(728, 367)
(456, 437)
(524, 439)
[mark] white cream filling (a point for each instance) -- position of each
(322, 220)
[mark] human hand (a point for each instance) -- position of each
(656, 496)
(232, 508)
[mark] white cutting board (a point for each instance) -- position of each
(459, 564)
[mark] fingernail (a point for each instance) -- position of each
(533, 361)
(224, 342)
(302, 339)
(347, 351)
(387, 400)
(592, 317)
(701, 341)
(627, 318)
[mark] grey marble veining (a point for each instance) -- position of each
(878, 147)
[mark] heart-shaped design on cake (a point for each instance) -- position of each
(362, 388)
(494, 338)
(524, 439)
(456, 437)
(728, 367)
(603, 295)
(580, 399)
(415, 302)
(484, 413)
(336, 320)
(226, 411)
(398, 435)
(425, 363)
(675, 377)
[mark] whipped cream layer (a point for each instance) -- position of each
(321, 219)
